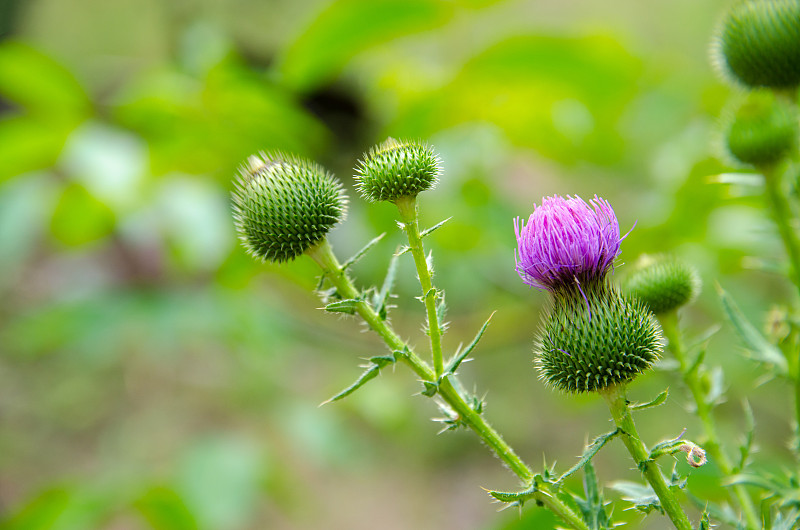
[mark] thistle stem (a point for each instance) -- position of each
(782, 212)
(407, 207)
(670, 325)
(620, 411)
(323, 255)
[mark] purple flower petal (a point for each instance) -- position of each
(566, 240)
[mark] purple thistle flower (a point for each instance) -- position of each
(566, 242)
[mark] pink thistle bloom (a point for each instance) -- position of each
(566, 242)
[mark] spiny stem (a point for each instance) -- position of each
(782, 212)
(408, 213)
(325, 258)
(669, 323)
(620, 411)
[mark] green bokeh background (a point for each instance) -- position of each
(154, 376)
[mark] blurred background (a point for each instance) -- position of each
(154, 376)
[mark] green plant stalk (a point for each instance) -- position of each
(620, 411)
(323, 255)
(782, 212)
(407, 207)
(669, 323)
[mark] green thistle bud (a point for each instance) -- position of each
(758, 43)
(762, 130)
(397, 169)
(283, 205)
(595, 338)
(663, 283)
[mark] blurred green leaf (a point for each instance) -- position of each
(346, 27)
(165, 510)
(79, 218)
(38, 83)
(40, 513)
(29, 143)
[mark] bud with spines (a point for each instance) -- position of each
(595, 337)
(663, 283)
(762, 130)
(397, 169)
(283, 205)
(758, 43)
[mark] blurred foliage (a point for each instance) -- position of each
(153, 376)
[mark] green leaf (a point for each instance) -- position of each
(430, 389)
(759, 348)
(380, 299)
(42, 512)
(747, 444)
(358, 255)
(458, 358)
(347, 27)
(705, 524)
(368, 374)
(658, 400)
(428, 231)
(593, 507)
(348, 306)
(588, 453)
(641, 496)
(515, 497)
(79, 218)
(441, 312)
(165, 510)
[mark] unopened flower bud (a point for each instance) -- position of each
(397, 169)
(663, 283)
(762, 130)
(758, 43)
(283, 205)
(594, 338)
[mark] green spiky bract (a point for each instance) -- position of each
(758, 43)
(762, 130)
(396, 169)
(283, 205)
(594, 337)
(663, 283)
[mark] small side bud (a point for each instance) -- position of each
(663, 283)
(283, 205)
(596, 338)
(762, 130)
(396, 169)
(758, 43)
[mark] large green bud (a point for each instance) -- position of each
(758, 43)
(593, 338)
(663, 283)
(762, 130)
(397, 169)
(283, 205)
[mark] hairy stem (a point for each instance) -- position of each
(620, 411)
(323, 255)
(691, 377)
(408, 213)
(782, 213)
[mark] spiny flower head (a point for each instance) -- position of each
(397, 169)
(758, 43)
(762, 129)
(283, 205)
(594, 338)
(663, 283)
(566, 241)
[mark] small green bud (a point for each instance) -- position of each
(762, 130)
(283, 205)
(758, 43)
(397, 169)
(663, 283)
(594, 337)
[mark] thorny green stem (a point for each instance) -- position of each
(670, 325)
(621, 412)
(408, 213)
(782, 212)
(323, 255)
